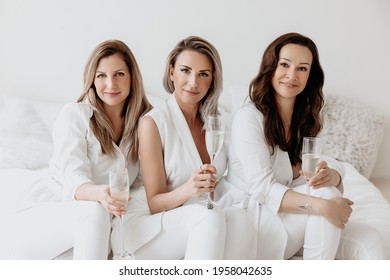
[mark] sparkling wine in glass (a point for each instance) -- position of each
(119, 189)
(215, 134)
(311, 152)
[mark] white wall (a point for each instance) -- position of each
(44, 43)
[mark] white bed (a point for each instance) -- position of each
(353, 135)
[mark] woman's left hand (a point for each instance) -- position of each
(325, 176)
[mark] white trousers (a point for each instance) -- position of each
(46, 231)
(194, 232)
(316, 235)
(319, 239)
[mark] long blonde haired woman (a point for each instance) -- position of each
(72, 206)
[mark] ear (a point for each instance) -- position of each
(171, 72)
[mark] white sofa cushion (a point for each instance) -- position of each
(353, 132)
(26, 138)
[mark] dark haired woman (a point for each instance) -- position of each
(265, 163)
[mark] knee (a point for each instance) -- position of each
(94, 215)
(326, 192)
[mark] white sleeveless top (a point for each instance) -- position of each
(181, 159)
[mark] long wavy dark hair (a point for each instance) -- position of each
(306, 120)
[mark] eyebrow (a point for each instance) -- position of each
(182, 65)
(114, 71)
(291, 61)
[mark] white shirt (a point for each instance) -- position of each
(78, 157)
(257, 179)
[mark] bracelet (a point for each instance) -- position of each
(308, 208)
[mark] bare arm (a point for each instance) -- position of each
(336, 210)
(153, 173)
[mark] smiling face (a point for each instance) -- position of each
(191, 75)
(112, 82)
(292, 72)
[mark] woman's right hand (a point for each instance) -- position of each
(201, 181)
(100, 193)
(112, 205)
(337, 210)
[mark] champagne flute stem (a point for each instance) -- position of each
(209, 200)
(122, 235)
(308, 202)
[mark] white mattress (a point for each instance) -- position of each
(369, 207)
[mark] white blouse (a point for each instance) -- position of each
(258, 178)
(78, 157)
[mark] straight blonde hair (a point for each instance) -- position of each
(136, 104)
(199, 45)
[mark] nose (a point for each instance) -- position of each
(110, 82)
(192, 80)
(290, 74)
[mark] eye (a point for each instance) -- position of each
(120, 74)
(99, 76)
(185, 70)
(302, 69)
(284, 64)
(204, 74)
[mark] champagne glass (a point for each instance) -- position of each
(119, 189)
(311, 152)
(215, 132)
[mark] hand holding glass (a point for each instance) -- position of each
(119, 189)
(311, 152)
(215, 132)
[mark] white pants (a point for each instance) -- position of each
(194, 232)
(318, 237)
(46, 231)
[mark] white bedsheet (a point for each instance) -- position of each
(369, 207)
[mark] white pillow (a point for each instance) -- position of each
(47, 112)
(238, 94)
(25, 141)
(353, 132)
(154, 100)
